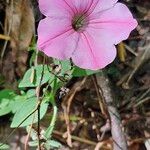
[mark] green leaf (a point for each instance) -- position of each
(6, 97)
(31, 93)
(4, 103)
(49, 144)
(7, 94)
(52, 143)
(33, 76)
(17, 103)
(33, 143)
(4, 111)
(4, 146)
(65, 66)
(25, 110)
(78, 72)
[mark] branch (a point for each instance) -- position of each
(119, 141)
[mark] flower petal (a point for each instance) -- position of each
(104, 5)
(85, 6)
(93, 54)
(92, 6)
(56, 38)
(56, 8)
(115, 24)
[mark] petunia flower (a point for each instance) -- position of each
(84, 30)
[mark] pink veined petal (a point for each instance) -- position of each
(58, 8)
(104, 5)
(50, 28)
(85, 6)
(93, 5)
(109, 23)
(56, 38)
(93, 54)
(115, 24)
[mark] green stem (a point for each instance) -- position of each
(50, 129)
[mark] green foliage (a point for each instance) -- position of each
(65, 67)
(5, 108)
(49, 144)
(6, 94)
(78, 72)
(73, 71)
(52, 144)
(48, 132)
(51, 99)
(33, 76)
(6, 99)
(4, 146)
(24, 105)
(25, 110)
(20, 99)
(11, 102)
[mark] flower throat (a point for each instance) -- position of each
(79, 22)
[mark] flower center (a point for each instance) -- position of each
(79, 22)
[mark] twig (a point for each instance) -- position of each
(126, 84)
(66, 107)
(100, 99)
(119, 141)
(4, 37)
(142, 101)
(27, 139)
(38, 88)
(9, 29)
(130, 49)
(138, 140)
(76, 138)
(38, 109)
(82, 140)
(100, 145)
(144, 94)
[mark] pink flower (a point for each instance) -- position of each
(84, 30)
